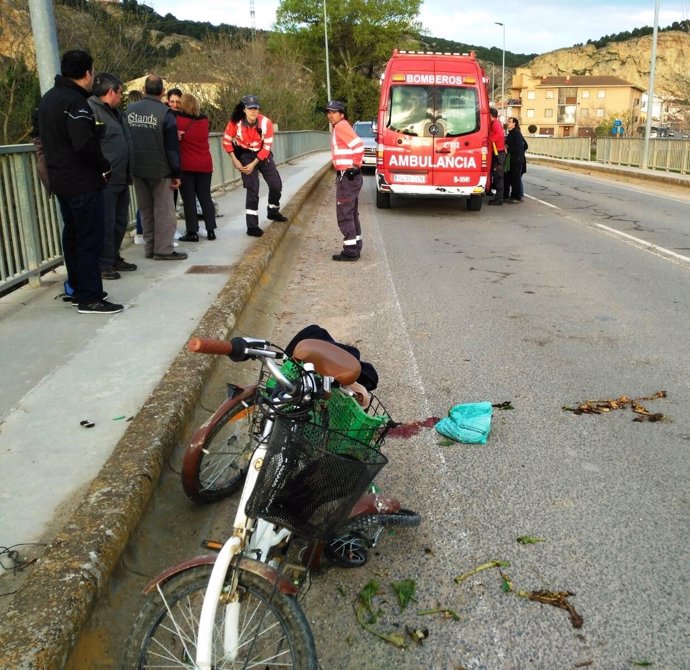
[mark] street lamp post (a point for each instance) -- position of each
(325, 39)
(650, 94)
(503, 67)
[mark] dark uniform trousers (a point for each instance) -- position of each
(268, 170)
(497, 174)
(347, 212)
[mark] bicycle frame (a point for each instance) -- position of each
(262, 537)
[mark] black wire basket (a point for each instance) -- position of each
(305, 486)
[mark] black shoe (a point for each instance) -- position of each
(210, 235)
(148, 254)
(344, 257)
(255, 231)
(173, 256)
(495, 202)
(102, 307)
(104, 295)
(109, 273)
(189, 237)
(123, 266)
(275, 215)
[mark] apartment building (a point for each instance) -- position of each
(574, 105)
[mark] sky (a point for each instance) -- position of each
(530, 27)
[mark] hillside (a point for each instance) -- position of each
(629, 60)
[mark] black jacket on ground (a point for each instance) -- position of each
(70, 140)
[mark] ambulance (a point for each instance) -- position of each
(432, 128)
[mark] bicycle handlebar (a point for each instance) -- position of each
(205, 345)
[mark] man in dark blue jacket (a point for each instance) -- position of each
(116, 145)
(78, 172)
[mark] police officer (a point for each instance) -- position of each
(248, 138)
(347, 152)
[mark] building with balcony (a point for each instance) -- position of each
(573, 105)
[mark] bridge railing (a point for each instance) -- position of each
(30, 222)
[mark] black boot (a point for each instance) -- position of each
(275, 215)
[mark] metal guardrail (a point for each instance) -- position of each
(664, 154)
(577, 148)
(30, 223)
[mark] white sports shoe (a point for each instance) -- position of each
(138, 239)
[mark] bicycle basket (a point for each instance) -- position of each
(346, 416)
(305, 487)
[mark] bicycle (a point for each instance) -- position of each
(239, 608)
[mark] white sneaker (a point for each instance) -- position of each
(202, 232)
(175, 244)
(138, 239)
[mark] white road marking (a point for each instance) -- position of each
(644, 244)
(543, 202)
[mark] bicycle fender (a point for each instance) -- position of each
(263, 570)
(199, 436)
(372, 503)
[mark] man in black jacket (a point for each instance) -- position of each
(78, 172)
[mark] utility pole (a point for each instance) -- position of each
(252, 17)
(650, 93)
(45, 42)
(503, 69)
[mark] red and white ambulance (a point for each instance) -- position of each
(433, 128)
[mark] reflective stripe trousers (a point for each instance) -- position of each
(347, 212)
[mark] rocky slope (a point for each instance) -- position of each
(629, 60)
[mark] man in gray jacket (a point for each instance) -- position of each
(157, 171)
(116, 145)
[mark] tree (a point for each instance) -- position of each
(19, 87)
(119, 41)
(361, 37)
(231, 68)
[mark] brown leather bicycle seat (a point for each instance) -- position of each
(329, 360)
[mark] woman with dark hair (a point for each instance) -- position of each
(248, 139)
(516, 147)
(197, 168)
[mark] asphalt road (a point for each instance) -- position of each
(535, 304)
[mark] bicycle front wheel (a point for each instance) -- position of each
(215, 467)
(274, 632)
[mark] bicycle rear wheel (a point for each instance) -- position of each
(215, 466)
(274, 632)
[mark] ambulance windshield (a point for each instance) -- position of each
(450, 111)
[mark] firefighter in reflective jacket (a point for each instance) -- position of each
(347, 152)
(248, 139)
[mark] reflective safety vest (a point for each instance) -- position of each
(257, 138)
(347, 148)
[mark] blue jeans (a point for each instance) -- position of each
(82, 243)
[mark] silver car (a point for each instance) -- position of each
(365, 131)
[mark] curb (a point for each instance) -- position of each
(589, 167)
(45, 618)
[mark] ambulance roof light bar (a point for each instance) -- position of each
(471, 54)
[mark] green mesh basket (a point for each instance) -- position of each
(348, 418)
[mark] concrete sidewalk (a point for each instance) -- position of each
(79, 489)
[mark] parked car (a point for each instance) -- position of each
(365, 130)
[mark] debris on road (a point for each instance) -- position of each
(605, 406)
